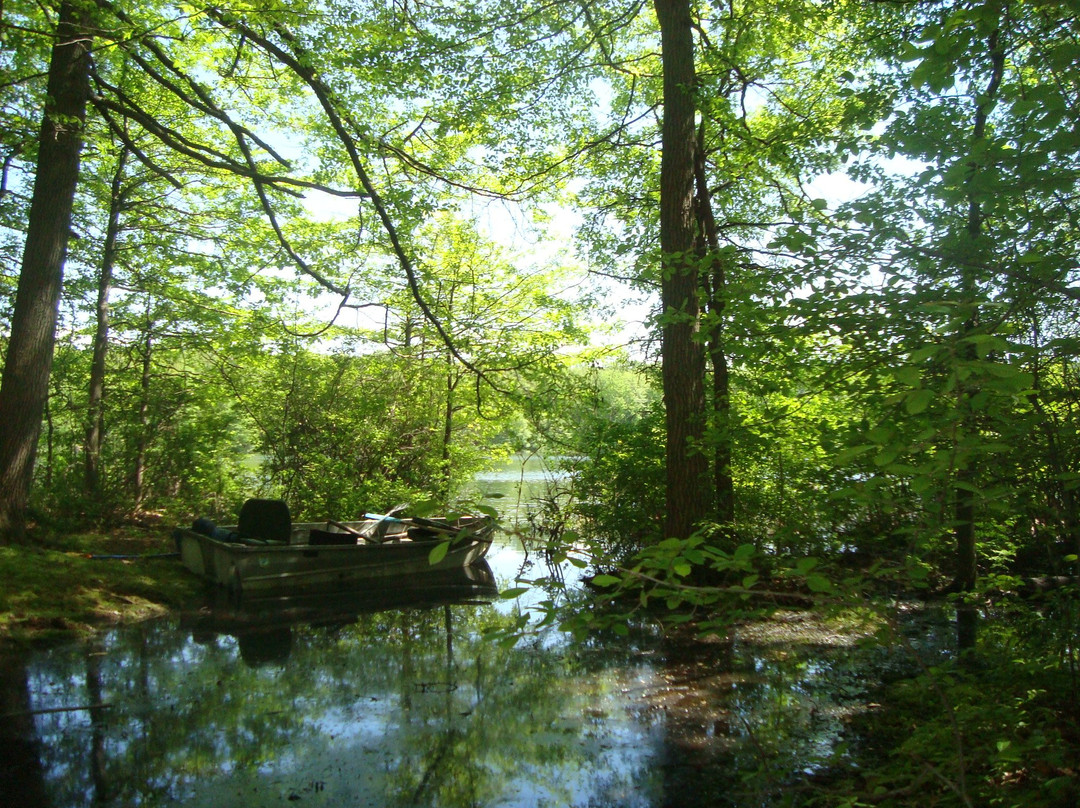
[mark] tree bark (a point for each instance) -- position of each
(142, 445)
(716, 300)
(682, 354)
(95, 410)
(449, 408)
(25, 384)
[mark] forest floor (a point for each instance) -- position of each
(66, 585)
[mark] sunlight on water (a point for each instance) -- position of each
(233, 705)
(515, 485)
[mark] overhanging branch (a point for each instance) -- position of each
(299, 62)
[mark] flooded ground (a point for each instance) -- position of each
(404, 703)
(410, 706)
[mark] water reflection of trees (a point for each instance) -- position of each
(22, 778)
(392, 710)
(376, 711)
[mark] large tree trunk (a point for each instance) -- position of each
(682, 353)
(95, 410)
(25, 385)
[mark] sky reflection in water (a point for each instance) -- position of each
(411, 707)
(380, 711)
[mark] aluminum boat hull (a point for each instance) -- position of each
(300, 565)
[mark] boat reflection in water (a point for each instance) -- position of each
(263, 624)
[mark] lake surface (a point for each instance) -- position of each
(268, 704)
(517, 486)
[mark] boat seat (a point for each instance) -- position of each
(265, 519)
(329, 538)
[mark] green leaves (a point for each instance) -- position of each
(605, 581)
(438, 552)
(514, 592)
(918, 401)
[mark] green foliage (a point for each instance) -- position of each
(619, 479)
(959, 331)
(993, 728)
(175, 443)
(346, 434)
(900, 366)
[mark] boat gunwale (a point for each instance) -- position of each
(464, 533)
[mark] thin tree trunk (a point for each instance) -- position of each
(716, 297)
(138, 472)
(723, 480)
(448, 422)
(49, 433)
(95, 410)
(25, 385)
(687, 484)
(966, 477)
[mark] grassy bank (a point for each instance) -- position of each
(69, 585)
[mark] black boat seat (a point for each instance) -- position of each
(266, 519)
(328, 538)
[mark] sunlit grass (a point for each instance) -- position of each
(60, 589)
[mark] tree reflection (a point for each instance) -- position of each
(22, 777)
(402, 707)
(411, 706)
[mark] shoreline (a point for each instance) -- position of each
(70, 586)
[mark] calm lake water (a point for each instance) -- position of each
(514, 486)
(276, 703)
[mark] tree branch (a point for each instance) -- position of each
(299, 62)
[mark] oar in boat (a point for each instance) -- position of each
(443, 528)
(345, 527)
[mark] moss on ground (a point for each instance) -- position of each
(68, 585)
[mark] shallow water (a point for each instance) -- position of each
(514, 485)
(411, 706)
(376, 699)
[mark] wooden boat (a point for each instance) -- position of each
(265, 552)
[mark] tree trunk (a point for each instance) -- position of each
(967, 569)
(138, 472)
(25, 385)
(95, 410)
(723, 481)
(49, 434)
(452, 380)
(964, 496)
(687, 484)
(716, 300)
